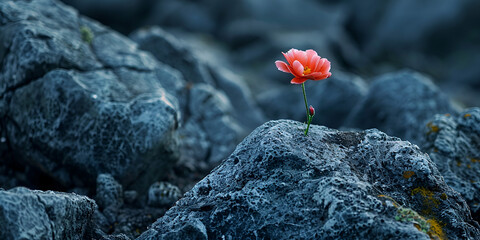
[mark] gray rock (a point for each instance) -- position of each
(173, 52)
(279, 184)
(219, 108)
(213, 113)
(163, 194)
(29, 214)
(400, 103)
(130, 196)
(333, 99)
(75, 108)
(201, 69)
(453, 143)
(109, 192)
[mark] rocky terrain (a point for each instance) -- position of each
(159, 120)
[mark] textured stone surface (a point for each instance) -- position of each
(163, 194)
(76, 108)
(109, 193)
(279, 184)
(27, 214)
(333, 99)
(199, 67)
(399, 104)
(210, 132)
(453, 143)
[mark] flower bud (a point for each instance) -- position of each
(311, 110)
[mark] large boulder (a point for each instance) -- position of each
(453, 143)
(399, 104)
(29, 214)
(78, 100)
(280, 184)
(333, 99)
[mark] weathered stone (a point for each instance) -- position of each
(279, 184)
(400, 103)
(213, 113)
(29, 214)
(333, 99)
(202, 69)
(170, 50)
(76, 108)
(453, 143)
(109, 192)
(163, 194)
(210, 132)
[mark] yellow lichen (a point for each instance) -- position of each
(467, 115)
(436, 229)
(408, 174)
(432, 227)
(429, 200)
(432, 128)
(444, 196)
(474, 160)
(459, 163)
(447, 114)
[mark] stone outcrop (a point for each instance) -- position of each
(279, 184)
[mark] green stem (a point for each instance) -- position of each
(305, 98)
(309, 119)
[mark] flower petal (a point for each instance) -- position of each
(319, 64)
(282, 66)
(301, 56)
(310, 54)
(326, 66)
(318, 76)
(314, 62)
(289, 57)
(298, 80)
(297, 69)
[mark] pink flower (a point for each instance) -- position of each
(311, 110)
(304, 65)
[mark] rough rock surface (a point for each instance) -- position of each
(28, 214)
(399, 104)
(77, 99)
(453, 143)
(279, 184)
(109, 192)
(174, 52)
(162, 194)
(333, 99)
